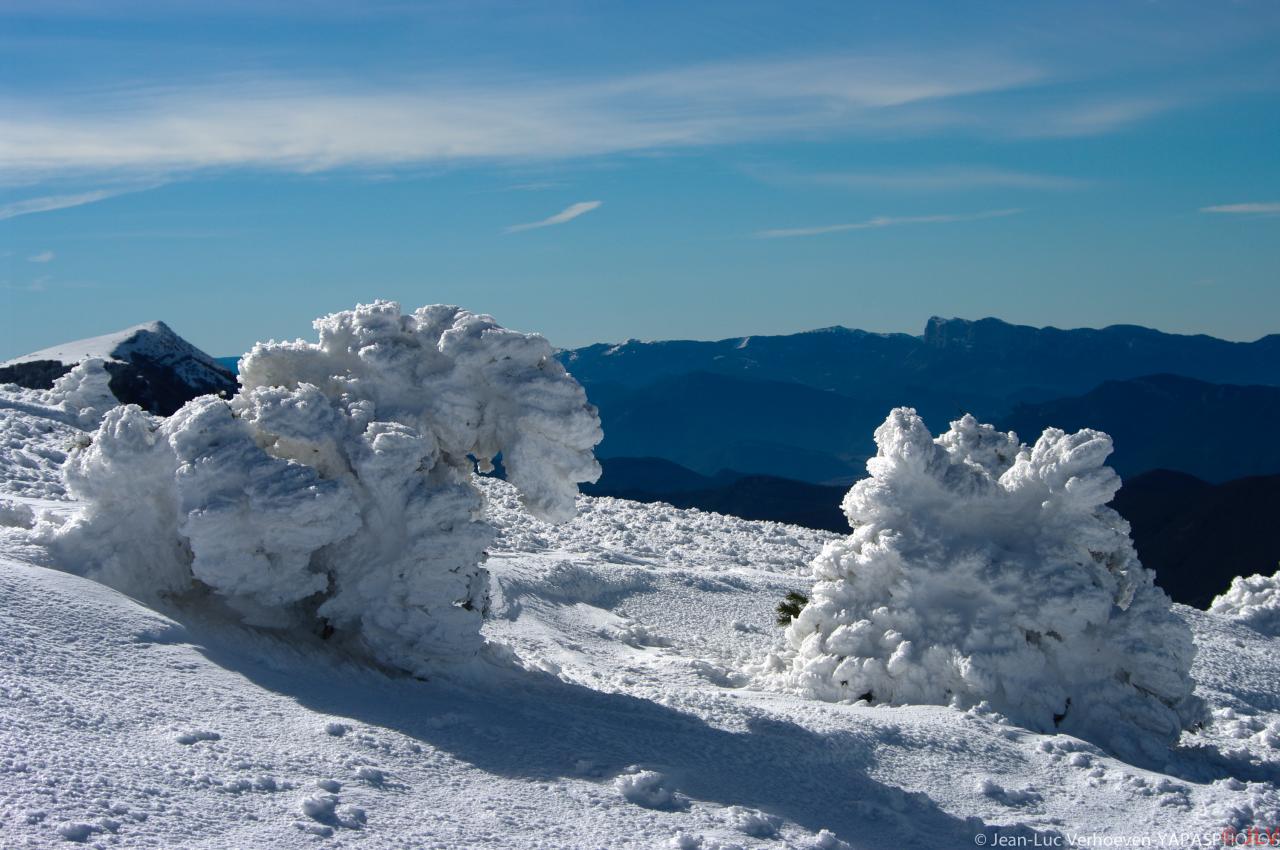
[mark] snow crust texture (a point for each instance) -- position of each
(981, 570)
(1254, 601)
(334, 492)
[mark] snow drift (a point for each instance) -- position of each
(1252, 600)
(334, 491)
(981, 570)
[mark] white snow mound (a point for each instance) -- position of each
(335, 491)
(980, 570)
(1252, 600)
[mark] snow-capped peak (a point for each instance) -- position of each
(154, 340)
(150, 365)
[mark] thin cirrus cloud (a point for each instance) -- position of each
(1074, 118)
(569, 213)
(972, 178)
(313, 124)
(1255, 208)
(48, 203)
(956, 178)
(42, 257)
(882, 221)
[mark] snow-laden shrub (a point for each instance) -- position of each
(1253, 601)
(648, 788)
(983, 570)
(83, 393)
(16, 514)
(335, 491)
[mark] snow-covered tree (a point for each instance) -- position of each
(84, 392)
(981, 570)
(334, 491)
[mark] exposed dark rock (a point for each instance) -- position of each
(34, 374)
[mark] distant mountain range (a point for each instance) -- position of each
(1196, 535)
(1213, 431)
(804, 406)
(965, 361)
(708, 422)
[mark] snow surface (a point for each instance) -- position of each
(611, 711)
(983, 571)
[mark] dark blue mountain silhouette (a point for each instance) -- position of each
(804, 406)
(1214, 431)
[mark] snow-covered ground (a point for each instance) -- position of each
(611, 711)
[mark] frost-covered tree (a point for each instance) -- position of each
(334, 491)
(83, 393)
(1252, 600)
(980, 570)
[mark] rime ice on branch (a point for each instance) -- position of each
(981, 570)
(335, 489)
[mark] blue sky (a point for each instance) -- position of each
(597, 171)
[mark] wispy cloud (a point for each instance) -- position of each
(1256, 208)
(42, 257)
(37, 285)
(1095, 116)
(309, 124)
(48, 203)
(567, 214)
(951, 178)
(539, 186)
(883, 221)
